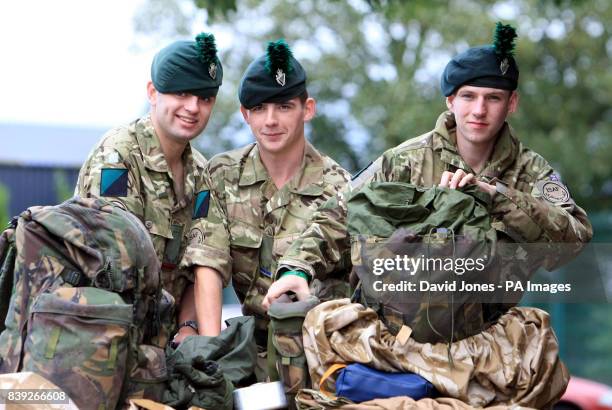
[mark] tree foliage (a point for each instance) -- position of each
(374, 68)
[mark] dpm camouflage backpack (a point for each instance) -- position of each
(84, 287)
(436, 228)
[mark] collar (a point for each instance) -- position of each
(308, 180)
(504, 152)
(154, 159)
(149, 144)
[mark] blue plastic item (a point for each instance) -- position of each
(358, 383)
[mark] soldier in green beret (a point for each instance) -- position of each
(150, 168)
(471, 144)
(267, 189)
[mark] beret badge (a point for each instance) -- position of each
(207, 52)
(278, 61)
(503, 44)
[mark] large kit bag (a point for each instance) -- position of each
(387, 220)
(85, 293)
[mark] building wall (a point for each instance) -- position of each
(36, 185)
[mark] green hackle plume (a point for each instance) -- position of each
(206, 47)
(503, 40)
(278, 56)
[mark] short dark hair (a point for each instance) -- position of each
(303, 97)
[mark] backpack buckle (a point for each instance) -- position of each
(442, 233)
(72, 277)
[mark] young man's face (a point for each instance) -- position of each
(181, 116)
(279, 127)
(480, 112)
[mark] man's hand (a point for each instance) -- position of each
(182, 333)
(286, 283)
(460, 178)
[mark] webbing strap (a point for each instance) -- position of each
(112, 354)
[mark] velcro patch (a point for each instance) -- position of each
(200, 208)
(554, 192)
(114, 182)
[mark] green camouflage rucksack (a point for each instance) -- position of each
(400, 224)
(85, 301)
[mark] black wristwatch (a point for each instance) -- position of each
(191, 323)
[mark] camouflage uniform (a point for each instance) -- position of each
(262, 219)
(149, 193)
(513, 363)
(520, 211)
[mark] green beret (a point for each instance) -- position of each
(274, 77)
(188, 66)
(484, 66)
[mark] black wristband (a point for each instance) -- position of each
(191, 323)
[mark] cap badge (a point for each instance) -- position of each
(280, 77)
(503, 66)
(212, 70)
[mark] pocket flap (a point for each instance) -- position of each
(280, 310)
(288, 344)
(86, 302)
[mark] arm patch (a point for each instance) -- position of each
(553, 191)
(200, 208)
(114, 182)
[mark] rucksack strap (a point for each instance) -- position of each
(332, 369)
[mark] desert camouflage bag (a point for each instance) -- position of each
(84, 286)
(286, 352)
(390, 219)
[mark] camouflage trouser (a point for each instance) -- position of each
(286, 350)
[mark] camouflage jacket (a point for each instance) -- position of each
(128, 168)
(263, 220)
(521, 211)
(484, 370)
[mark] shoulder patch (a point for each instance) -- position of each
(553, 191)
(200, 208)
(114, 182)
